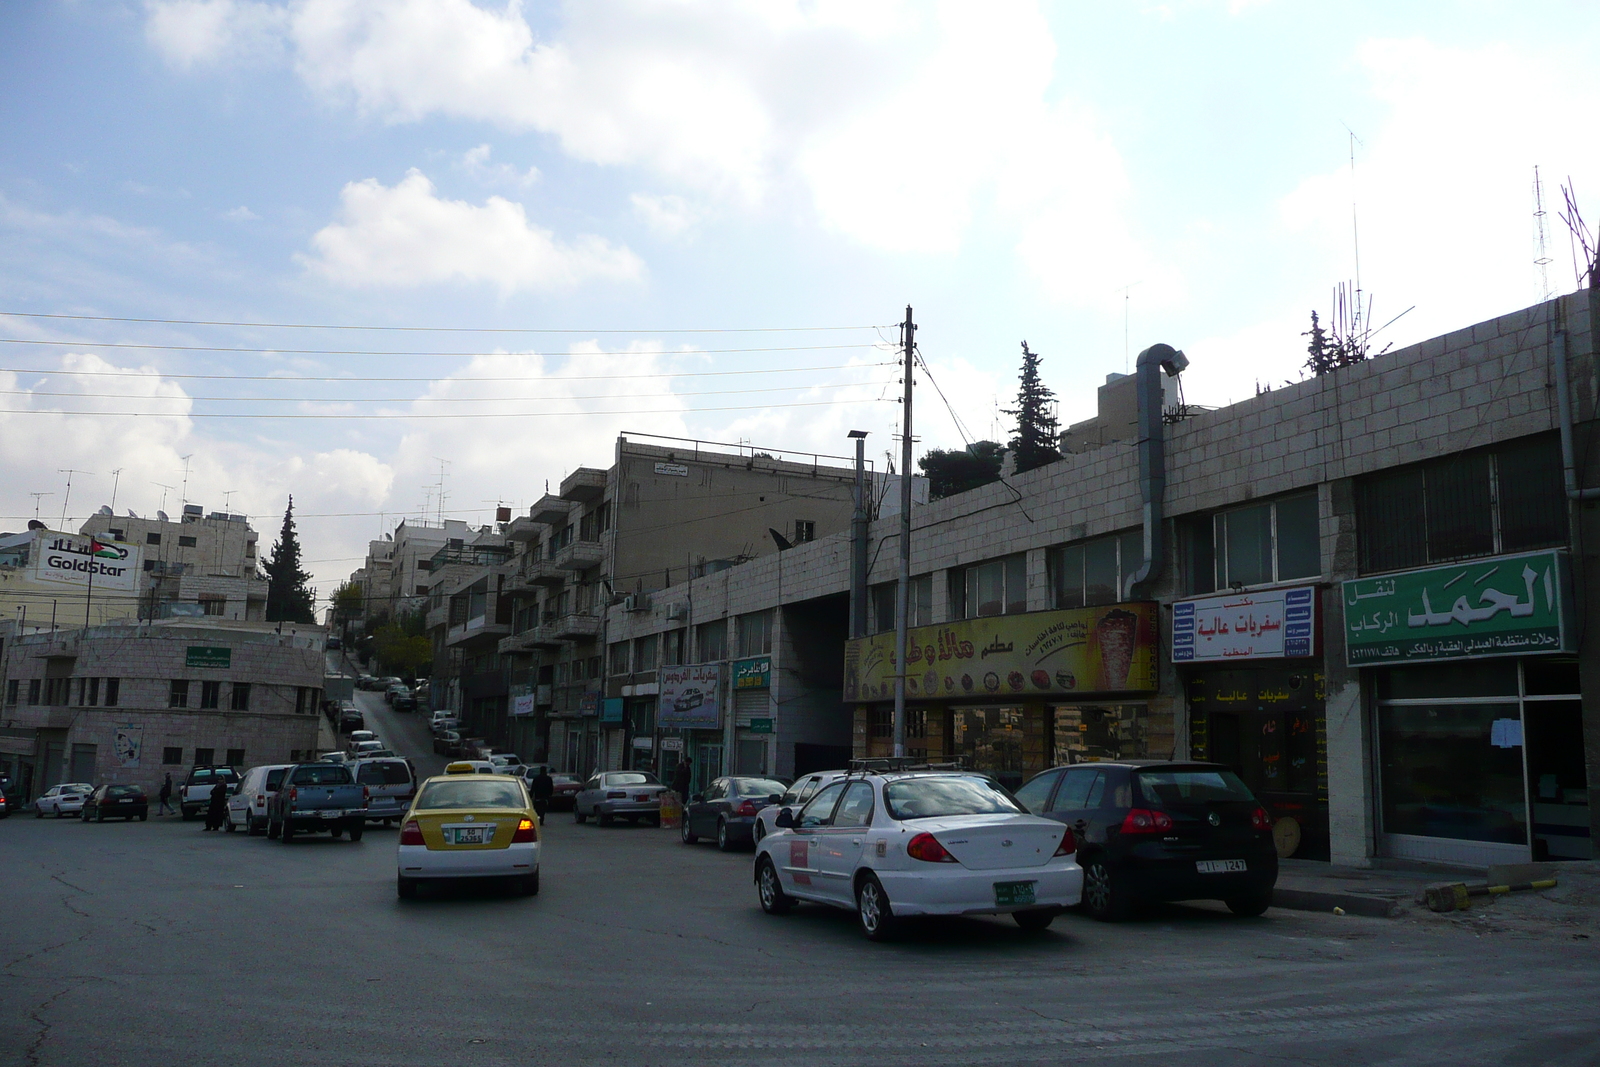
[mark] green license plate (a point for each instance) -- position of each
(1010, 894)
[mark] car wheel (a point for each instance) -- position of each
(873, 912)
(355, 834)
(405, 888)
(1034, 921)
(774, 901)
(286, 832)
(686, 835)
(252, 826)
(578, 816)
(336, 833)
(530, 885)
(1250, 904)
(724, 842)
(228, 824)
(604, 820)
(99, 816)
(1103, 899)
(144, 817)
(273, 830)
(38, 812)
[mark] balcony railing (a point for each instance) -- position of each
(585, 484)
(535, 573)
(577, 626)
(550, 510)
(581, 555)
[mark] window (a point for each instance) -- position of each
(210, 694)
(235, 757)
(57, 691)
(1274, 541)
(11, 690)
(204, 757)
(93, 696)
(804, 530)
(113, 690)
(249, 549)
(185, 542)
(114, 533)
(998, 587)
(1094, 572)
(919, 604)
(1036, 793)
(711, 641)
(617, 653)
(213, 607)
(672, 650)
(178, 697)
(820, 811)
(644, 652)
(240, 700)
(152, 539)
(856, 807)
(34, 684)
(304, 700)
(1508, 498)
(755, 633)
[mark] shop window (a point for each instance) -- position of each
(204, 757)
(711, 641)
(990, 740)
(113, 691)
(1507, 498)
(1273, 541)
(236, 757)
(240, 697)
(1094, 572)
(172, 757)
(1085, 732)
(755, 633)
(995, 587)
(178, 694)
(919, 604)
(645, 650)
(210, 695)
(617, 655)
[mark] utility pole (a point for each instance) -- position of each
(902, 593)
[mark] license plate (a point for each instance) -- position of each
(330, 814)
(1218, 866)
(1008, 894)
(469, 835)
(379, 802)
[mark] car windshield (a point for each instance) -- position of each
(926, 798)
(321, 774)
(564, 779)
(758, 787)
(1195, 786)
(471, 793)
(632, 778)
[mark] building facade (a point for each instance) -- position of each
(204, 565)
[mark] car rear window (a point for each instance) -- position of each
(1191, 786)
(758, 787)
(925, 798)
(392, 772)
(472, 793)
(322, 774)
(124, 791)
(211, 774)
(275, 778)
(631, 778)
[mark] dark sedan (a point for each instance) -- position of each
(116, 802)
(727, 810)
(1153, 831)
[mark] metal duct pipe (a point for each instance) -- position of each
(1153, 460)
(1569, 467)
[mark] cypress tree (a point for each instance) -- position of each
(1036, 441)
(288, 599)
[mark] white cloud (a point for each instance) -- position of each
(193, 32)
(240, 214)
(405, 235)
(475, 161)
(667, 216)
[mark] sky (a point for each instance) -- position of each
(413, 258)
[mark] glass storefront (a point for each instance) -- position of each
(1083, 733)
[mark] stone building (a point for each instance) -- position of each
(204, 565)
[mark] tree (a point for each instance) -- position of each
(402, 647)
(288, 598)
(349, 602)
(957, 470)
(1035, 443)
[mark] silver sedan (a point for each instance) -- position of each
(608, 795)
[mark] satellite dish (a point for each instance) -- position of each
(105, 509)
(35, 524)
(162, 515)
(131, 515)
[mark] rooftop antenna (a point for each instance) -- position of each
(69, 472)
(165, 489)
(1541, 258)
(36, 497)
(440, 499)
(1355, 232)
(1126, 297)
(116, 476)
(227, 495)
(185, 494)
(1580, 236)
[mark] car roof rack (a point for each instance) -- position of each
(901, 764)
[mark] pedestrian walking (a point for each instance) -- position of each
(681, 779)
(218, 810)
(543, 788)
(166, 797)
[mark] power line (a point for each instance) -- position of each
(446, 399)
(434, 377)
(421, 329)
(406, 415)
(405, 352)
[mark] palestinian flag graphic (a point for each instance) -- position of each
(105, 551)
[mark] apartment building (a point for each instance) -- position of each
(202, 565)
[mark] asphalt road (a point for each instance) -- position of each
(157, 944)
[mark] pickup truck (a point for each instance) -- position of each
(314, 797)
(195, 794)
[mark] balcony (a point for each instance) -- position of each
(580, 555)
(437, 617)
(534, 574)
(577, 627)
(584, 485)
(551, 510)
(476, 629)
(530, 640)
(522, 528)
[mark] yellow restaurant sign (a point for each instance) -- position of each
(1109, 649)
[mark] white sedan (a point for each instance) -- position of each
(918, 843)
(64, 799)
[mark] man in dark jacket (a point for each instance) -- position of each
(166, 796)
(542, 787)
(218, 810)
(681, 779)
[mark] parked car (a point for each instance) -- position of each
(1150, 831)
(728, 809)
(482, 826)
(508, 760)
(564, 787)
(247, 808)
(391, 786)
(366, 681)
(892, 845)
(387, 687)
(366, 748)
(804, 788)
(350, 721)
(317, 796)
(471, 766)
(334, 644)
(5, 804)
(64, 799)
(448, 722)
(609, 795)
(357, 736)
(334, 757)
(445, 742)
(195, 795)
(472, 748)
(117, 801)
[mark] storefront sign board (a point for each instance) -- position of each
(689, 696)
(84, 561)
(672, 744)
(522, 705)
(588, 703)
(752, 673)
(1500, 606)
(208, 657)
(611, 709)
(760, 726)
(1110, 649)
(1267, 624)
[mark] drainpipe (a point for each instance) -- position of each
(1152, 460)
(1569, 468)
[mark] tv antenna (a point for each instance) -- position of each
(116, 476)
(165, 489)
(227, 497)
(1355, 234)
(1580, 236)
(1126, 298)
(185, 494)
(69, 472)
(36, 498)
(440, 497)
(1541, 258)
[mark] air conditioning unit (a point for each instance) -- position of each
(636, 602)
(677, 612)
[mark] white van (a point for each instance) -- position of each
(247, 807)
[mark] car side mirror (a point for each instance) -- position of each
(785, 818)
(697, 798)
(774, 798)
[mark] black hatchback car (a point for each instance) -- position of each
(1151, 831)
(116, 802)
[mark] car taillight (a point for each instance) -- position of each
(526, 831)
(1069, 844)
(926, 847)
(261, 798)
(411, 833)
(1140, 821)
(617, 794)
(294, 793)
(747, 808)
(366, 792)
(1260, 820)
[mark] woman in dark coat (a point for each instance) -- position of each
(218, 810)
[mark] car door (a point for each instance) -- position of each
(703, 813)
(840, 843)
(1035, 794)
(589, 796)
(1071, 802)
(799, 855)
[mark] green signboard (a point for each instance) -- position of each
(760, 726)
(212, 658)
(1501, 606)
(753, 673)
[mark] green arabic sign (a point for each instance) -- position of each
(204, 656)
(753, 673)
(1502, 606)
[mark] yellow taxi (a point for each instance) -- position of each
(467, 825)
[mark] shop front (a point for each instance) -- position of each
(689, 721)
(1251, 667)
(1475, 693)
(754, 751)
(1014, 694)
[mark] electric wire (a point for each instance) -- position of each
(422, 329)
(407, 415)
(410, 352)
(58, 372)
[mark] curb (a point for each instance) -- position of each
(1352, 903)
